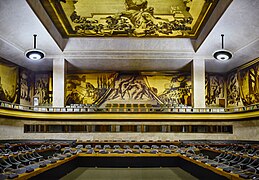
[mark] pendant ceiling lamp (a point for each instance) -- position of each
(222, 54)
(35, 54)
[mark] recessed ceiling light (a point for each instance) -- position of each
(34, 54)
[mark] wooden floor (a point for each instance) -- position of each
(83, 173)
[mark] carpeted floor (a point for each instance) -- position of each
(83, 173)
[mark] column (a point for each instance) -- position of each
(59, 82)
(198, 83)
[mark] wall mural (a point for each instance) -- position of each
(131, 89)
(248, 79)
(233, 93)
(214, 90)
(129, 17)
(43, 89)
(174, 89)
(26, 87)
(87, 88)
(9, 86)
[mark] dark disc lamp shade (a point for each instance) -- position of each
(222, 54)
(34, 54)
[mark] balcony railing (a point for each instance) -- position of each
(156, 109)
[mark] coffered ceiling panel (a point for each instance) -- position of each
(138, 18)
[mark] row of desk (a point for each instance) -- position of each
(85, 157)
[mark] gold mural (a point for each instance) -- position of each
(26, 87)
(9, 86)
(131, 89)
(128, 88)
(248, 79)
(43, 89)
(233, 92)
(149, 18)
(214, 89)
(174, 89)
(87, 88)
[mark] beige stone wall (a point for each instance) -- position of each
(242, 130)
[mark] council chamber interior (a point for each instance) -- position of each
(129, 89)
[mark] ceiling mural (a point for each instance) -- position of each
(132, 18)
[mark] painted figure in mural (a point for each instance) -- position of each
(139, 15)
(215, 89)
(11, 95)
(137, 20)
(2, 92)
(124, 86)
(138, 89)
(42, 91)
(86, 89)
(73, 98)
(178, 91)
(233, 95)
(26, 87)
(136, 4)
(130, 88)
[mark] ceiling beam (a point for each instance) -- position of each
(219, 10)
(38, 9)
